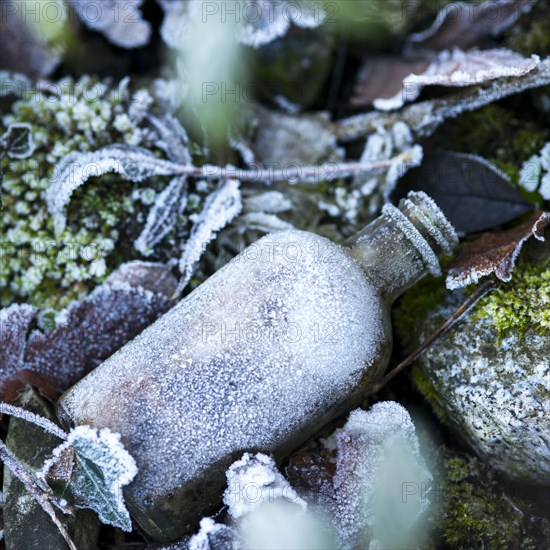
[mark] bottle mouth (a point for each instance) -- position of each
(425, 225)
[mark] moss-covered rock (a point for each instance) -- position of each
(487, 378)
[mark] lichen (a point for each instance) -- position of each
(38, 267)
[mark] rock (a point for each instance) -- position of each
(488, 378)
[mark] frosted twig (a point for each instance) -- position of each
(328, 171)
(44, 423)
(471, 301)
(32, 487)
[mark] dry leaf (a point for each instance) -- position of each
(494, 253)
(457, 68)
(381, 77)
(463, 25)
(87, 331)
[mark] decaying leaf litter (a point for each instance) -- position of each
(187, 205)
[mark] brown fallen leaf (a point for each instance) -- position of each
(494, 253)
(382, 76)
(457, 68)
(87, 332)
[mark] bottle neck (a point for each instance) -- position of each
(402, 245)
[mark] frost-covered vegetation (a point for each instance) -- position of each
(144, 144)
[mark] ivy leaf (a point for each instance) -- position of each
(472, 192)
(494, 252)
(17, 141)
(73, 170)
(101, 468)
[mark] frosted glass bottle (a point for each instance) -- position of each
(258, 358)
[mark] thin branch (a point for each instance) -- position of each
(293, 172)
(481, 291)
(32, 487)
(44, 423)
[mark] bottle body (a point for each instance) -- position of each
(258, 358)
(264, 354)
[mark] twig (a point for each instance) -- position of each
(327, 171)
(32, 487)
(44, 423)
(481, 291)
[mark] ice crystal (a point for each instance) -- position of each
(254, 480)
(213, 536)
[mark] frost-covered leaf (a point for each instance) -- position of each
(102, 468)
(73, 170)
(260, 21)
(535, 173)
(273, 18)
(163, 216)
(424, 117)
(219, 209)
(457, 68)
(120, 21)
(86, 332)
(473, 193)
(270, 202)
(261, 221)
(494, 253)
(18, 141)
(462, 24)
(381, 480)
(254, 480)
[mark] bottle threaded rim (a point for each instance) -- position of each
(425, 225)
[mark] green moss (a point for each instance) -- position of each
(523, 303)
(505, 133)
(531, 34)
(475, 513)
(37, 266)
